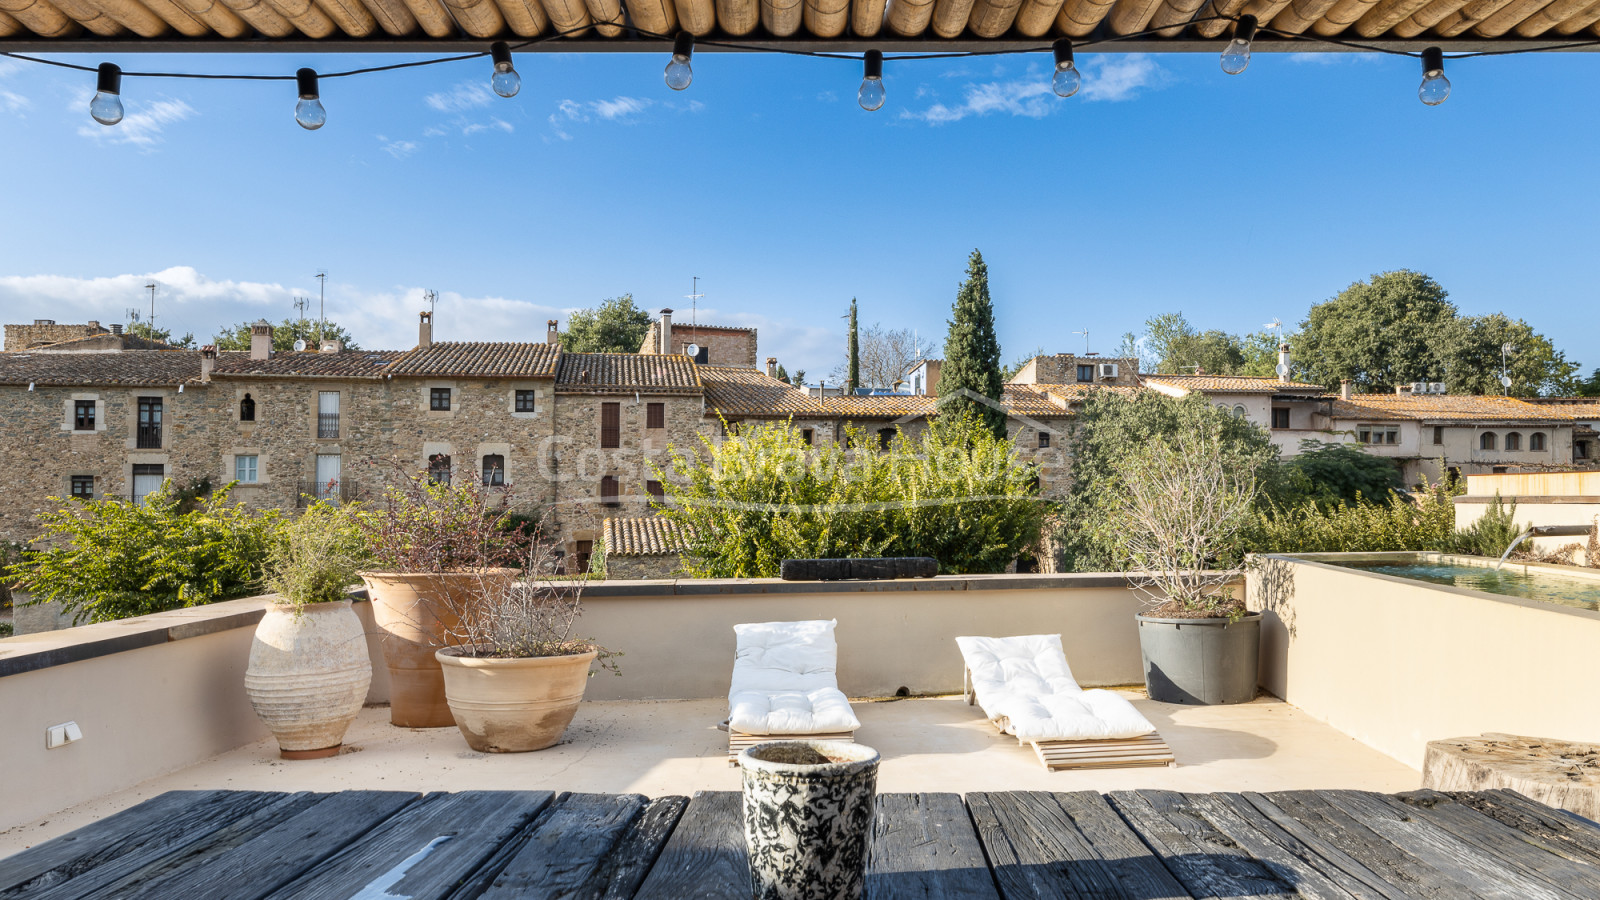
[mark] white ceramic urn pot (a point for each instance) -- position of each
(308, 675)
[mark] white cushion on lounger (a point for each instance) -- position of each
(784, 680)
(1025, 681)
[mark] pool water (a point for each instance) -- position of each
(1510, 581)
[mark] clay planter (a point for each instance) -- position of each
(513, 705)
(1200, 661)
(415, 612)
(308, 676)
(807, 815)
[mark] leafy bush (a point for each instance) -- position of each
(1492, 533)
(316, 557)
(956, 493)
(111, 559)
(6, 630)
(1424, 521)
(1341, 473)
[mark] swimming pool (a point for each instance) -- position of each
(1530, 582)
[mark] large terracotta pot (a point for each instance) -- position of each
(415, 612)
(308, 675)
(513, 705)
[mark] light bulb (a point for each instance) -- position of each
(106, 107)
(1435, 87)
(1066, 80)
(871, 95)
(505, 80)
(1236, 56)
(679, 75)
(309, 112)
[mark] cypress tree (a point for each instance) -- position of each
(854, 350)
(972, 352)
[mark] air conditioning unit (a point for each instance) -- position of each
(1436, 387)
(1108, 370)
(1419, 387)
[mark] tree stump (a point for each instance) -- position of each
(1564, 774)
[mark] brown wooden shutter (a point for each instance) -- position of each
(608, 491)
(610, 425)
(656, 492)
(656, 415)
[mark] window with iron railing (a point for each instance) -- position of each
(148, 435)
(327, 414)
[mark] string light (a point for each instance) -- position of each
(106, 107)
(871, 94)
(1435, 87)
(505, 80)
(679, 74)
(309, 112)
(1066, 80)
(1236, 56)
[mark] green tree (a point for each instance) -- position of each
(1589, 387)
(1342, 473)
(1175, 346)
(852, 378)
(615, 326)
(1260, 352)
(151, 333)
(284, 334)
(799, 378)
(1470, 353)
(972, 353)
(1378, 333)
(783, 374)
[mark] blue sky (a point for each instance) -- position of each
(1164, 185)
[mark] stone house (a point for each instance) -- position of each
(1289, 411)
(714, 345)
(640, 547)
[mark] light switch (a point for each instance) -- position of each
(61, 735)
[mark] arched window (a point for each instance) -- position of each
(439, 468)
(1238, 412)
(1513, 441)
(1536, 441)
(247, 409)
(1486, 441)
(494, 470)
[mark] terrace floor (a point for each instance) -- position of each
(673, 748)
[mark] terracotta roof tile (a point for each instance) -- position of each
(600, 373)
(1072, 394)
(881, 406)
(1028, 400)
(105, 340)
(1443, 407)
(748, 392)
(307, 364)
(680, 327)
(480, 360)
(132, 367)
(1236, 384)
(642, 536)
(1571, 407)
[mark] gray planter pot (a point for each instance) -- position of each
(807, 815)
(1200, 661)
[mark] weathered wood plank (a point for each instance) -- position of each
(1565, 774)
(1204, 861)
(1309, 816)
(1557, 827)
(628, 864)
(1289, 860)
(923, 846)
(705, 858)
(1518, 851)
(1035, 850)
(1310, 846)
(1438, 848)
(256, 867)
(1140, 872)
(567, 846)
(423, 851)
(83, 863)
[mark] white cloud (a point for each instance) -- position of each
(10, 101)
(619, 108)
(1117, 78)
(1029, 97)
(464, 96)
(142, 128)
(1105, 78)
(399, 149)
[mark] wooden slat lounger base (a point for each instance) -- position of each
(1145, 750)
(738, 740)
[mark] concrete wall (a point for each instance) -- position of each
(1397, 663)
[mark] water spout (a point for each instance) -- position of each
(1520, 538)
(1543, 531)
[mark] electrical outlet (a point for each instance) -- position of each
(62, 735)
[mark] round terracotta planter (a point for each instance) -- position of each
(513, 705)
(308, 675)
(415, 612)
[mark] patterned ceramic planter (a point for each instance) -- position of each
(807, 815)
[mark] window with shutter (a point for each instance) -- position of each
(610, 425)
(656, 492)
(608, 491)
(656, 415)
(494, 470)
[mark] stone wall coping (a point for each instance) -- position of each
(1527, 499)
(734, 587)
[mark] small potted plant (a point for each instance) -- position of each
(309, 670)
(436, 547)
(515, 670)
(1177, 508)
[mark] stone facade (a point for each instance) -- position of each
(720, 345)
(46, 331)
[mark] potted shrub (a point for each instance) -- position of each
(435, 547)
(515, 671)
(1177, 507)
(309, 670)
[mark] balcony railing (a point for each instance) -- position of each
(327, 425)
(148, 437)
(341, 491)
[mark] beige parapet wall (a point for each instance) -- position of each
(1541, 498)
(1396, 663)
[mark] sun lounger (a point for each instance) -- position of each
(785, 687)
(1027, 691)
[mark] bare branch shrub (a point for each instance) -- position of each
(426, 526)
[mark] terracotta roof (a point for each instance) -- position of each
(1443, 407)
(600, 373)
(686, 326)
(105, 340)
(882, 406)
(1236, 384)
(133, 367)
(481, 360)
(1028, 400)
(749, 392)
(1572, 407)
(1075, 394)
(306, 364)
(642, 536)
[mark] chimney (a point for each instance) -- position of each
(425, 331)
(95, 324)
(772, 367)
(552, 335)
(1283, 363)
(261, 340)
(665, 337)
(329, 345)
(117, 328)
(1344, 389)
(208, 359)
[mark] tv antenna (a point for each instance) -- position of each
(431, 296)
(693, 297)
(1275, 325)
(301, 304)
(322, 302)
(151, 287)
(1085, 334)
(1505, 376)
